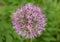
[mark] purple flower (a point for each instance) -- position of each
(29, 21)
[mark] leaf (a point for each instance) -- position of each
(8, 38)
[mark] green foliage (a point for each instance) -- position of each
(51, 8)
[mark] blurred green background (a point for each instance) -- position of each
(51, 8)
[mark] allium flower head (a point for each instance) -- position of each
(29, 21)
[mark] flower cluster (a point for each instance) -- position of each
(29, 21)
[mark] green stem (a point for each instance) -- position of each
(29, 40)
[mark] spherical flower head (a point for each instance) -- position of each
(29, 21)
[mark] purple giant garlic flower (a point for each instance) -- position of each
(29, 21)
